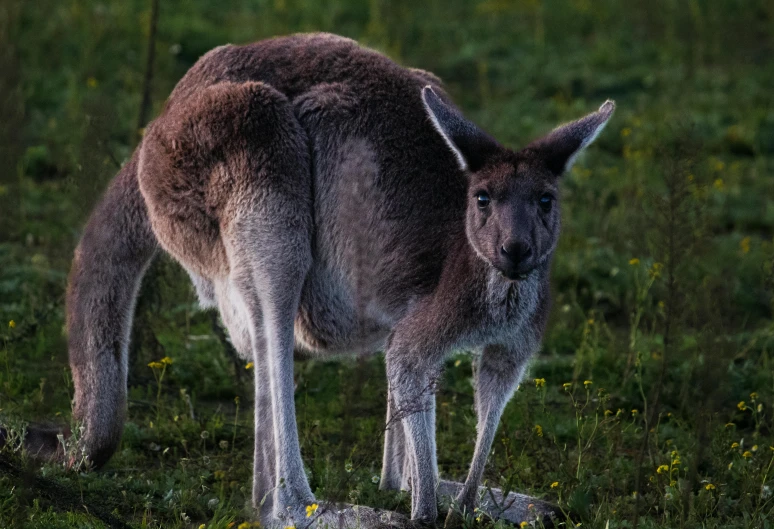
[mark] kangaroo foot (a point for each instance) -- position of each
(513, 507)
(329, 515)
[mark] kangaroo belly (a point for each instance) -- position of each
(342, 309)
(335, 318)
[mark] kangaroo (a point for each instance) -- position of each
(324, 198)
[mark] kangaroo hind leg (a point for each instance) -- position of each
(226, 176)
(268, 242)
(229, 184)
(267, 235)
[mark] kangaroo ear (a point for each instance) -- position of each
(470, 144)
(561, 147)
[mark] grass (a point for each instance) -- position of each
(650, 404)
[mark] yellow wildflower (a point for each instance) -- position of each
(718, 184)
(540, 382)
(567, 385)
(655, 270)
(539, 430)
(730, 425)
(744, 245)
(634, 261)
(662, 468)
(12, 324)
(220, 474)
(635, 412)
(587, 383)
(742, 406)
(676, 461)
(608, 413)
(202, 526)
(554, 484)
(747, 454)
(753, 395)
(249, 365)
(734, 445)
(243, 525)
(709, 486)
(524, 524)
(754, 448)
(311, 509)
(159, 364)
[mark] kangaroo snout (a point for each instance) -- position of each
(516, 250)
(517, 259)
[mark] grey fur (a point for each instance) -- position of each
(322, 196)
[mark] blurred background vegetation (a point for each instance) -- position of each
(650, 404)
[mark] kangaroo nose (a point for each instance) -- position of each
(517, 251)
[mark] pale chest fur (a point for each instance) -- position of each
(506, 310)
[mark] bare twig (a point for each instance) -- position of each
(145, 104)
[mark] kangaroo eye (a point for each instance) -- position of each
(482, 199)
(546, 201)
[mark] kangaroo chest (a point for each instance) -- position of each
(504, 310)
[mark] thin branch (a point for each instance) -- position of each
(145, 105)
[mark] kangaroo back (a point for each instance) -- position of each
(110, 260)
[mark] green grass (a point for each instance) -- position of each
(663, 282)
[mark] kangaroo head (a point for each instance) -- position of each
(513, 217)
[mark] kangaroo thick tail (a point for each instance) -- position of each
(116, 248)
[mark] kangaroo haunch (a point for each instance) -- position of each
(323, 197)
